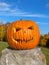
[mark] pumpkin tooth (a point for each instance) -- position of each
(26, 40)
(21, 41)
(16, 42)
(32, 37)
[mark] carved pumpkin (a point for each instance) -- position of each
(23, 34)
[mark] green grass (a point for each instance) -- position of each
(3, 45)
(46, 52)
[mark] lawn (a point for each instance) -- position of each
(46, 52)
(3, 45)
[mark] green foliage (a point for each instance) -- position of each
(44, 40)
(3, 29)
(2, 32)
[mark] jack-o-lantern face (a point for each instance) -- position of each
(23, 34)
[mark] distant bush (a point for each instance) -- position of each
(47, 43)
(2, 33)
(3, 29)
(44, 40)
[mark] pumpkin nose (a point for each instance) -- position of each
(25, 31)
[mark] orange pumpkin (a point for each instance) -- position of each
(23, 34)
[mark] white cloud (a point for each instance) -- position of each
(4, 7)
(7, 10)
(23, 14)
(44, 23)
(3, 4)
(34, 15)
(47, 5)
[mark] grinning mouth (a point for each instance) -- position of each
(19, 40)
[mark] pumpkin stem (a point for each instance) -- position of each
(20, 19)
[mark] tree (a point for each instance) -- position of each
(47, 43)
(44, 40)
(2, 32)
(3, 29)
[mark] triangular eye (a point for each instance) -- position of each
(17, 29)
(31, 27)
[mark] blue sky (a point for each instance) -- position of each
(36, 10)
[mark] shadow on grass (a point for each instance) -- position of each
(47, 43)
